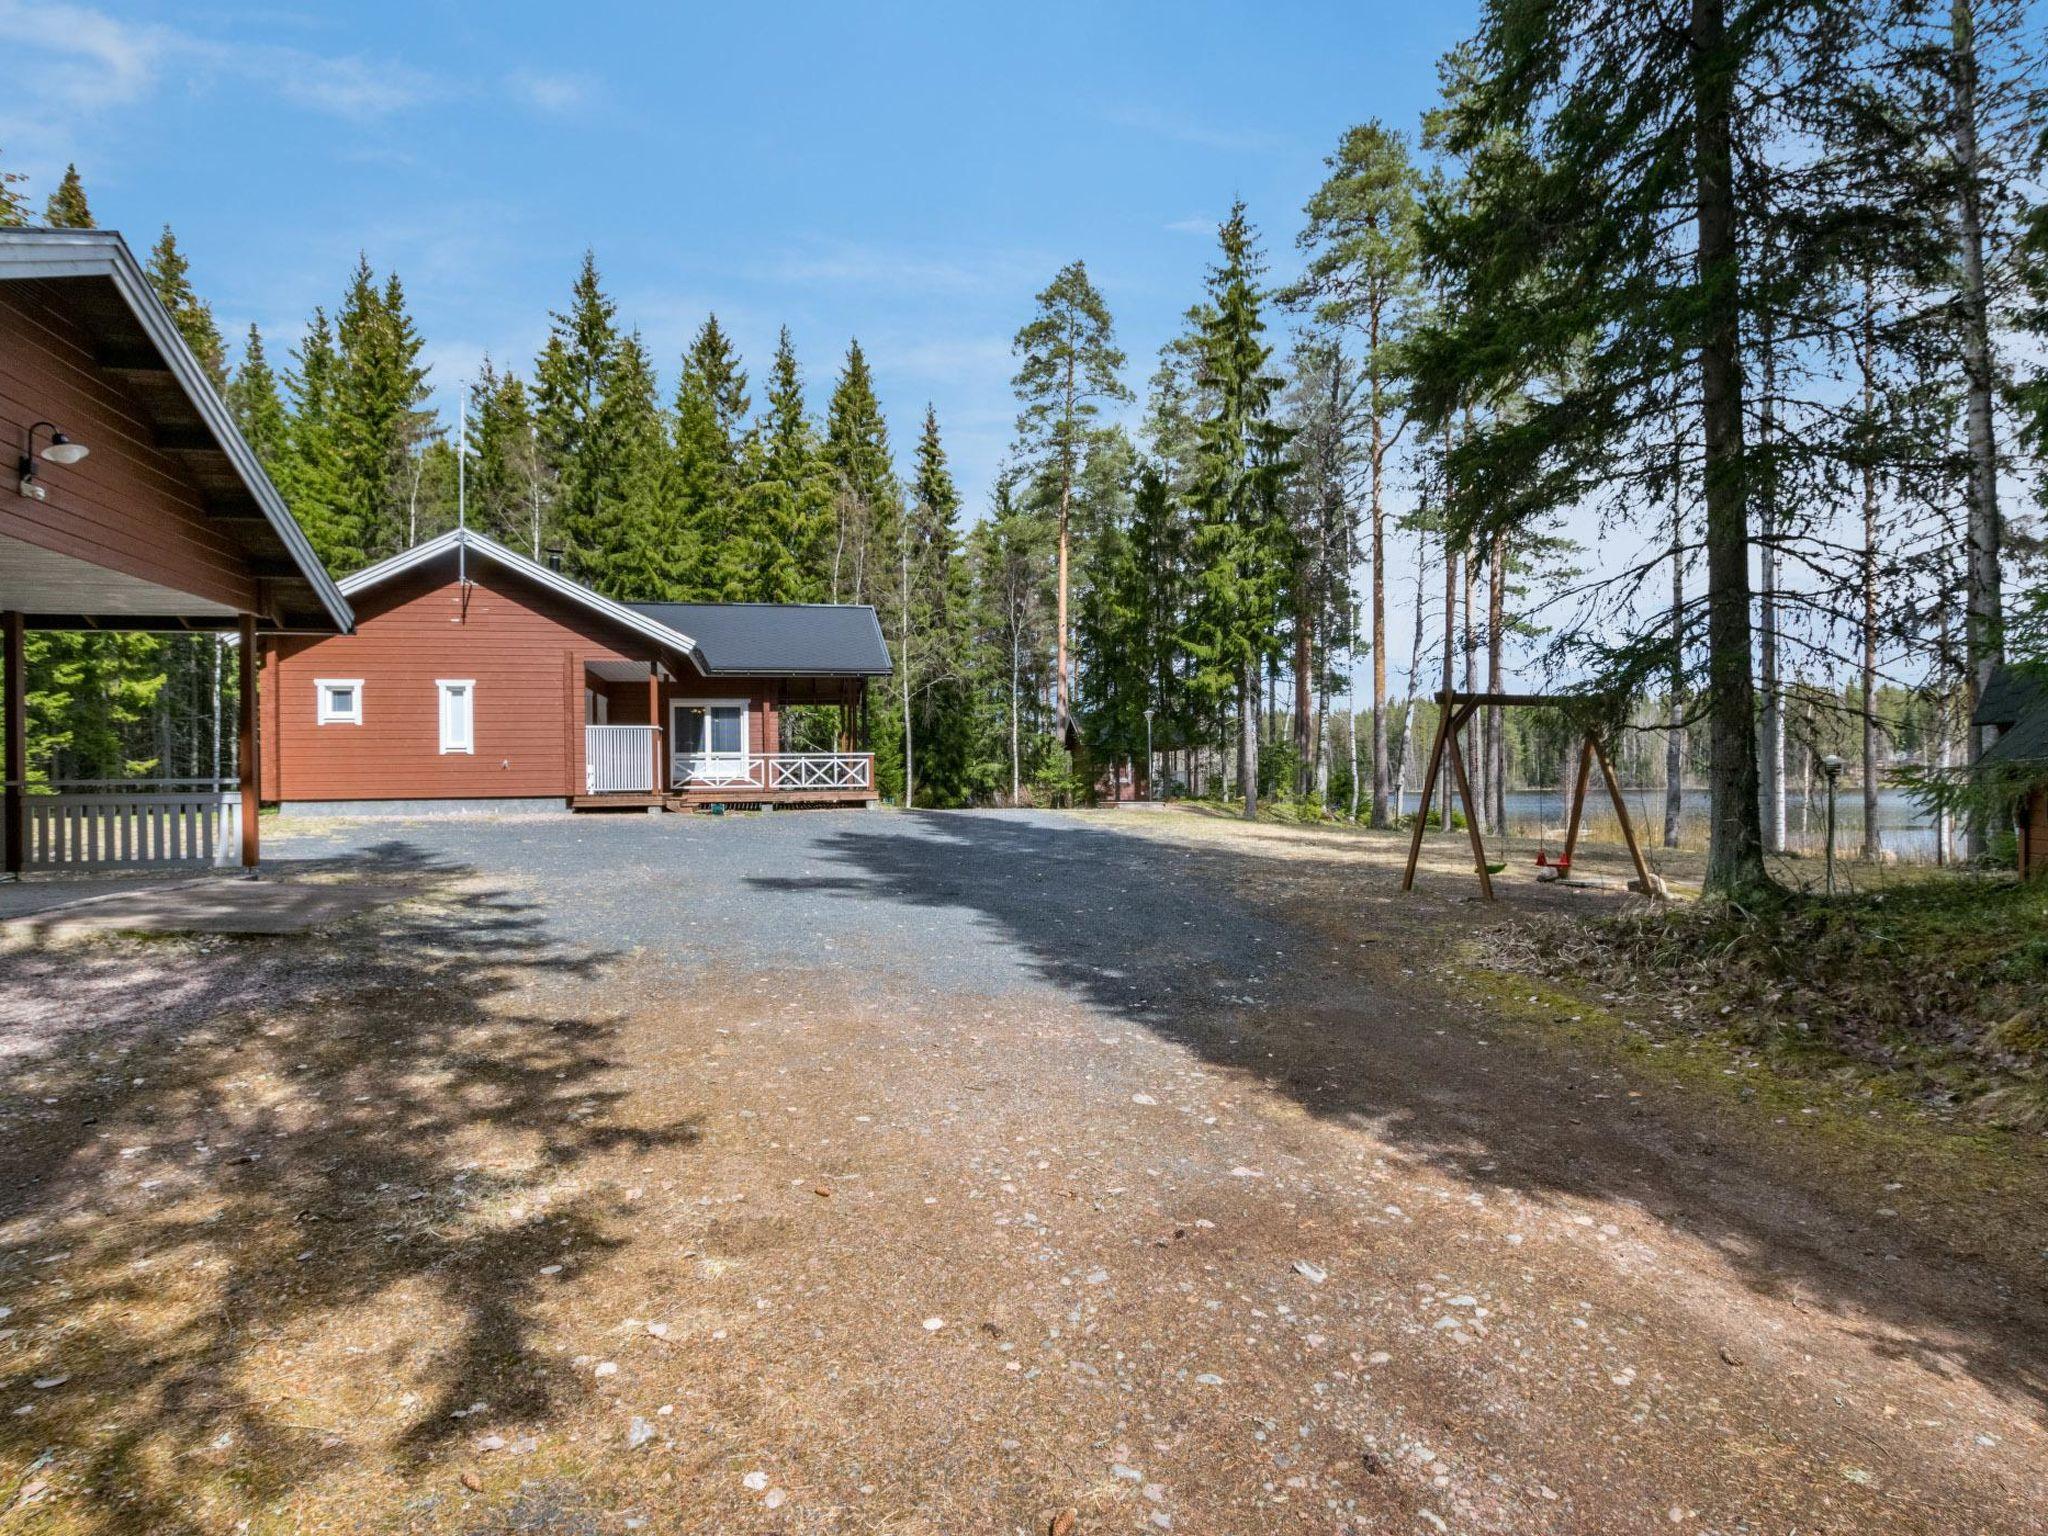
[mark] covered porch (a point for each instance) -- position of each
(658, 734)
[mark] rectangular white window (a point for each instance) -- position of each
(341, 700)
(458, 715)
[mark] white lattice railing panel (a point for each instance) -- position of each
(773, 772)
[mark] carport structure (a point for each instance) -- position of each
(133, 504)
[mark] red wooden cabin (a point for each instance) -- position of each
(478, 676)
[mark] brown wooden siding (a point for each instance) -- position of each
(129, 506)
(525, 648)
(2034, 834)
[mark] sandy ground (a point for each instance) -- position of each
(922, 1174)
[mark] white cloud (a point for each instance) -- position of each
(555, 94)
(1195, 226)
(1144, 118)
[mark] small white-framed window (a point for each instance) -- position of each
(458, 714)
(340, 700)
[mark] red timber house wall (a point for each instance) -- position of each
(524, 647)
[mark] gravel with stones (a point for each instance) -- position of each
(921, 1173)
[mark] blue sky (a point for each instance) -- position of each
(910, 175)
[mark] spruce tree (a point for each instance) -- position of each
(258, 408)
(13, 207)
(67, 208)
(637, 547)
(938, 726)
(569, 377)
(499, 472)
(1241, 550)
(710, 415)
(377, 412)
(866, 501)
(170, 274)
(312, 477)
(1069, 366)
(786, 495)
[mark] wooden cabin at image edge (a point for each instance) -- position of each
(479, 679)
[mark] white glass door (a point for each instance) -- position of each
(710, 741)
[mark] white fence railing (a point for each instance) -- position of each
(795, 772)
(618, 759)
(111, 823)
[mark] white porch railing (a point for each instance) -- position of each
(112, 823)
(618, 759)
(769, 772)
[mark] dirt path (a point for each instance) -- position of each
(1011, 1165)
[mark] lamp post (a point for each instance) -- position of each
(1831, 765)
(1151, 791)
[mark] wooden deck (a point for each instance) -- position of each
(700, 799)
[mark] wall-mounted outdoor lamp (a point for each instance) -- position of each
(59, 450)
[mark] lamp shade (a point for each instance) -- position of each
(62, 450)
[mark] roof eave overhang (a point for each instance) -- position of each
(103, 253)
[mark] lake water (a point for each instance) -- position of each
(1905, 828)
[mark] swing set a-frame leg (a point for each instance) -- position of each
(1571, 831)
(1628, 827)
(1436, 761)
(1471, 811)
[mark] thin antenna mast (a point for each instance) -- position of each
(462, 488)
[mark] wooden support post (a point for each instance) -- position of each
(1471, 810)
(1628, 829)
(246, 745)
(1436, 757)
(1571, 832)
(15, 681)
(654, 719)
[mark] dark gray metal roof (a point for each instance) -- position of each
(779, 639)
(2013, 693)
(2016, 701)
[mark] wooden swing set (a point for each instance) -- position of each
(1455, 711)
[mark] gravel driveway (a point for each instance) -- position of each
(920, 1173)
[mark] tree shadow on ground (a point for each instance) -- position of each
(1239, 956)
(218, 1152)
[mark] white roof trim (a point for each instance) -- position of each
(478, 544)
(48, 253)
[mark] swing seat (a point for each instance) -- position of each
(1494, 869)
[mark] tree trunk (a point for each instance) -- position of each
(909, 776)
(1304, 652)
(1482, 795)
(1767, 597)
(1674, 740)
(1248, 742)
(1450, 665)
(1983, 640)
(1496, 676)
(1873, 842)
(1016, 778)
(1735, 852)
(1380, 776)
